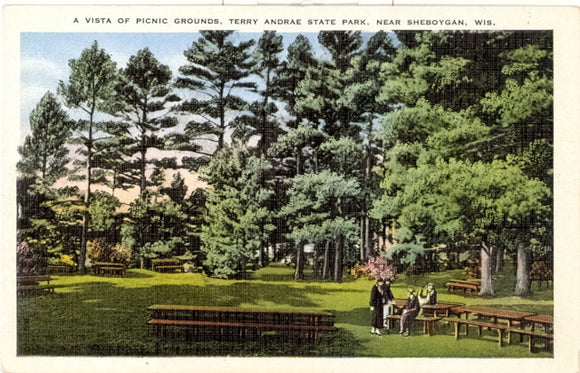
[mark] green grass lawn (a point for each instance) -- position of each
(103, 316)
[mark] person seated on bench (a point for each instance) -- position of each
(410, 312)
(429, 299)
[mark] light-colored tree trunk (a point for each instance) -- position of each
(338, 261)
(326, 263)
(299, 273)
(486, 277)
(499, 259)
(523, 271)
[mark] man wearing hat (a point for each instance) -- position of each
(410, 311)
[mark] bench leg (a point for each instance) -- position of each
(500, 336)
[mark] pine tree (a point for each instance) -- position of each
(143, 98)
(216, 73)
(90, 87)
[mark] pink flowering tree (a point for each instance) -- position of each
(378, 268)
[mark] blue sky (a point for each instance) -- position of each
(45, 56)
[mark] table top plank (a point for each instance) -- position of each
(191, 308)
(499, 313)
(543, 319)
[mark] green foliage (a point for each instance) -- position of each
(103, 210)
(155, 229)
(143, 97)
(43, 152)
(219, 68)
(91, 83)
(237, 221)
(118, 317)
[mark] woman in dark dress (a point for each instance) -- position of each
(378, 299)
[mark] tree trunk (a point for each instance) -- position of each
(499, 259)
(299, 273)
(87, 200)
(368, 240)
(298, 160)
(523, 272)
(326, 264)
(486, 284)
(338, 261)
(362, 240)
(315, 266)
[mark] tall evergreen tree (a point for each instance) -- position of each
(90, 87)
(237, 220)
(291, 72)
(216, 74)
(44, 154)
(261, 121)
(143, 95)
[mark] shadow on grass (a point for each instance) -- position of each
(357, 316)
(106, 319)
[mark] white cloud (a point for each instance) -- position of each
(41, 70)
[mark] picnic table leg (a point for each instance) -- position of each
(500, 335)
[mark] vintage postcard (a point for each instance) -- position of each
(289, 188)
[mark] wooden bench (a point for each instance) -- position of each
(110, 269)
(59, 268)
(428, 322)
(532, 336)
(500, 328)
(457, 311)
(26, 290)
(30, 285)
(472, 286)
(237, 323)
(166, 265)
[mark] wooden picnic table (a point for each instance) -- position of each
(499, 314)
(109, 268)
(29, 285)
(547, 321)
(473, 285)
(439, 308)
(235, 322)
(33, 280)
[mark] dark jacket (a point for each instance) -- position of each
(377, 299)
(388, 294)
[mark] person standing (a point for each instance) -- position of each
(410, 312)
(388, 303)
(377, 302)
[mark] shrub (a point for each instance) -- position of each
(359, 271)
(28, 261)
(379, 268)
